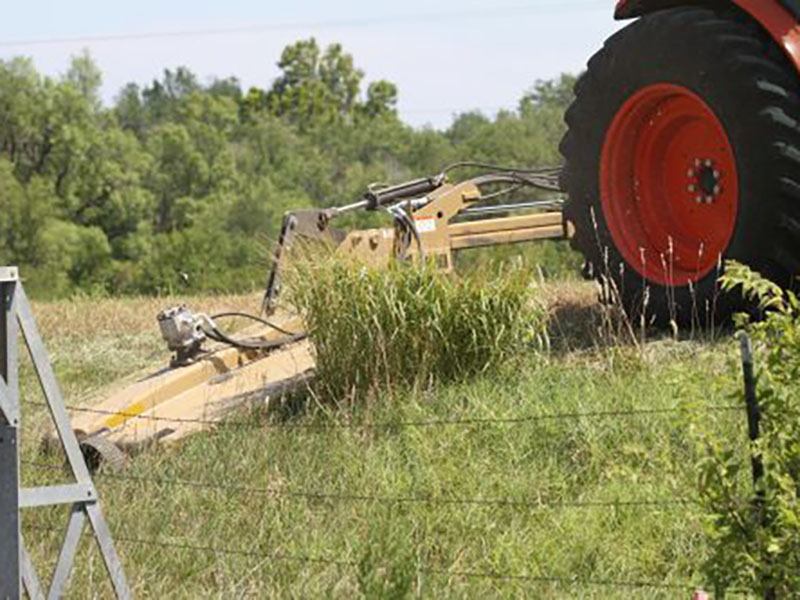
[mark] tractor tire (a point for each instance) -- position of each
(683, 152)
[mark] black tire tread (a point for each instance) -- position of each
(765, 75)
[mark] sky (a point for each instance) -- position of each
(446, 57)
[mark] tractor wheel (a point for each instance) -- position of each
(683, 151)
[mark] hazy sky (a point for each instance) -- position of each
(446, 56)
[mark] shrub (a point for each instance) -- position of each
(756, 545)
(410, 325)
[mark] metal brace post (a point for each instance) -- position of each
(17, 571)
(10, 548)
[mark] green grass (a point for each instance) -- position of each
(407, 548)
(411, 326)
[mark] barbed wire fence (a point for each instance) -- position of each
(226, 487)
(393, 425)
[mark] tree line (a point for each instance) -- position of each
(180, 185)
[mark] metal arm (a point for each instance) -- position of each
(424, 211)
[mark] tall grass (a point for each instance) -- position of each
(406, 326)
(417, 548)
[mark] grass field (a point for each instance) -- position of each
(317, 503)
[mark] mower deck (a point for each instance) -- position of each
(177, 401)
(432, 220)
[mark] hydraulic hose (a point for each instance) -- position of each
(215, 333)
(218, 336)
(252, 318)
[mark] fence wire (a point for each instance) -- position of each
(512, 504)
(388, 426)
(188, 545)
(529, 505)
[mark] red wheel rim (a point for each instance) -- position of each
(668, 185)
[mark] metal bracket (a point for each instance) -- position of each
(8, 408)
(17, 571)
(9, 274)
(73, 493)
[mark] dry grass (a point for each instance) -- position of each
(391, 545)
(96, 344)
(109, 317)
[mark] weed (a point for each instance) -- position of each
(378, 329)
(754, 527)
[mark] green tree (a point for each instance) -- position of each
(557, 93)
(86, 77)
(179, 178)
(130, 110)
(228, 87)
(381, 99)
(161, 96)
(315, 86)
(26, 105)
(178, 175)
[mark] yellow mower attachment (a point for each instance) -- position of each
(194, 393)
(432, 219)
(212, 373)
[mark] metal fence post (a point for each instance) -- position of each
(17, 571)
(754, 433)
(753, 412)
(10, 549)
